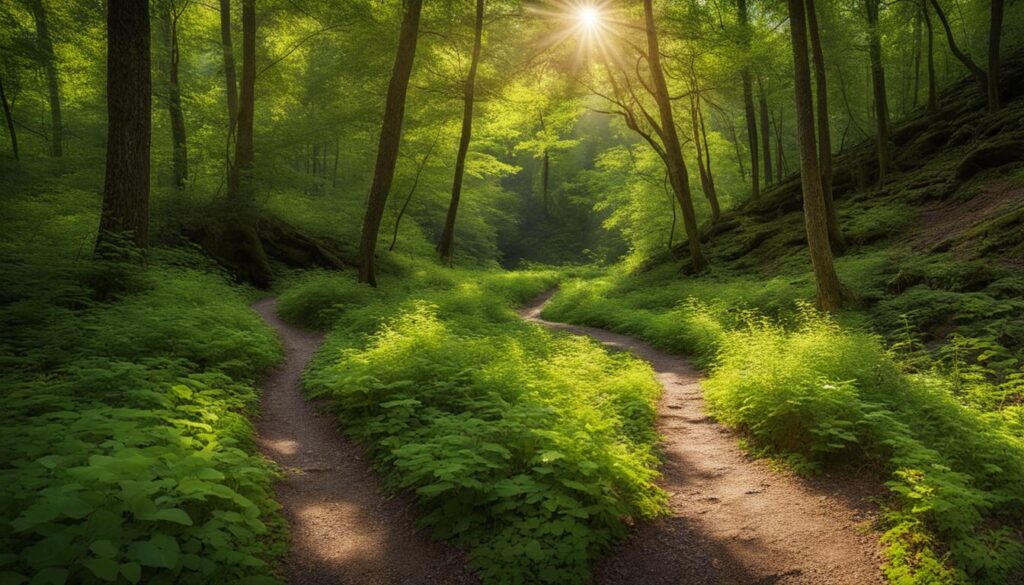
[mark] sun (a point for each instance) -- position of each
(589, 17)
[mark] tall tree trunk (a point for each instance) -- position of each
(933, 92)
(124, 218)
(739, 155)
(881, 100)
(45, 44)
(673, 152)
(231, 85)
(748, 100)
(835, 235)
(9, 118)
(390, 138)
(766, 135)
(707, 149)
(240, 180)
(825, 278)
(446, 245)
(705, 176)
(179, 147)
(977, 72)
(995, 33)
(780, 154)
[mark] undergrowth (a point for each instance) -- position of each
(820, 392)
(531, 450)
(124, 396)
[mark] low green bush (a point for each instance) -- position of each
(529, 449)
(128, 453)
(815, 392)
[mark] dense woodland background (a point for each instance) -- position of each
(168, 162)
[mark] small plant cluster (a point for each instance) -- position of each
(128, 456)
(817, 393)
(532, 450)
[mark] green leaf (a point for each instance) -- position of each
(105, 569)
(533, 550)
(104, 549)
(132, 572)
(176, 515)
(50, 576)
(161, 551)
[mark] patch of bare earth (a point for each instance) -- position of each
(732, 519)
(943, 224)
(343, 531)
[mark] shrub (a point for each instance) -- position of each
(530, 449)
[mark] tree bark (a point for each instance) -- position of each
(240, 180)
(826, 281)
(124, 219)
(835, 235)
(979, 74)
(446, 245)
(673, 152)
(748, 101)
(916, 61)
(995, 32)
(9, 118)
(231, 85)
(45, 44)
(882, 140)
(766, 135)
(933, 93)
(707, 149)
(390, 137)
(179, 146)
(705, 177)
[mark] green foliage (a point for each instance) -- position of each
(528, 448)
(819, 393)
(128, 456)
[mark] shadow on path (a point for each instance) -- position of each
(343, 531)
(731, 519)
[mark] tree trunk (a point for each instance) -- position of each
(826, 281)
(979, 74)
(780, 154)
(933, 92)
(240, 180)
(835, 235)
(125, 214)
(705, 177)
(673, 152)
(446, 245)
(766, 135)
(179, 147)
(390, 137)
(995, 33)
(412, 190)
(231, 84)
(9, 118)
(748, 101)
(707, 149)
(882, 139)
(45, 44)
(917, 61)
(739, 155)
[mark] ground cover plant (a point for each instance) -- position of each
(532, 450)
(817, 393)
(124, 410)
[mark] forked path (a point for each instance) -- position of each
(343, 531)
(732, 520)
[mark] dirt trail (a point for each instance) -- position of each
(343, 531)
(732, 520)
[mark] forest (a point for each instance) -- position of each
(502, 292)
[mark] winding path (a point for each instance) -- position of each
(732, 520)
(343, 531)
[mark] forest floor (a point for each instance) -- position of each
(733, 519)
(342, 529)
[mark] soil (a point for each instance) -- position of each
(733, 519)
(342, 529)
